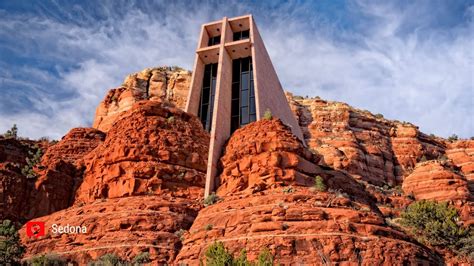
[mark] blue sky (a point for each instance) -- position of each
(408, 60)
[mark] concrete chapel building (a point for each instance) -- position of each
(233, 83)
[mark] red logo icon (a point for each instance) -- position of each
(35, 229)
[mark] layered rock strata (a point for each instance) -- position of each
(143, 184)
(166, 84)
(267, 201)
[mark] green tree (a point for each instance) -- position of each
(31, 162)
(11, 249)
(453, 137)
(265, 258)
(143, 257)
(12, 133)
(217, 255)
(47, 260)
(435, 223)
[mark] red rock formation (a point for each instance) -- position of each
(61, 170)
(267, 201)
(58, 173)
(462, 155)
(14, 187)
(140, 186)
(165, 84)
(367, 146)
(122, 226)
(436, 180)
(151, 149)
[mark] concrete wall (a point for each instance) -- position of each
(269, 93)
(220, 130)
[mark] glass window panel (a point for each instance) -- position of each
(207, 68)
(252, 105)
(236, 70)
(214, 70)
(245, 64)
(244, 115)
(244, 100)
(245, 81)
(235, 90)
(207, 79)
(252, 93)
(213, 86)
(245, 34)
(235, 107)
(204, 112)
(205, 96)
(236, 36)
(234, 123)
(253, 118)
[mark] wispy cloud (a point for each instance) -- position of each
(407, 62)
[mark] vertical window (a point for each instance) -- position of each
(214, 40)
(243, 97)
(241, 35)
(206, 106)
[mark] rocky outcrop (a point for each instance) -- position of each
(143, 184)
(462, 155)
(56, 176)
(123, 226)
(151, 149)
(166, 84)
(436, 180)
(61, 170)
(14, 186)
(267, 201)
(367, 146)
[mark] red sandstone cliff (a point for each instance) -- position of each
(165, 84)
(141, 185)
(138, 178)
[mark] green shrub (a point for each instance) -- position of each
(109, 260)
(265, 258)
(242, 259)
(47, 260)
(12, 133)
(466, 245)
(288, 190)
(319, 184)
(170, 119)
(423, 159)
(434, 223)
(211, 199)
(180, 234)
(11, 250)
(31, 162)
(217, 255)
(208, 227)
(143, 257)
(453, 137)
(268, 115)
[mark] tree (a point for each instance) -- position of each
(11, 249)
(12, 133)
(217, 255)
(435, 223)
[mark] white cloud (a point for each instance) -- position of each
(422, 75)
